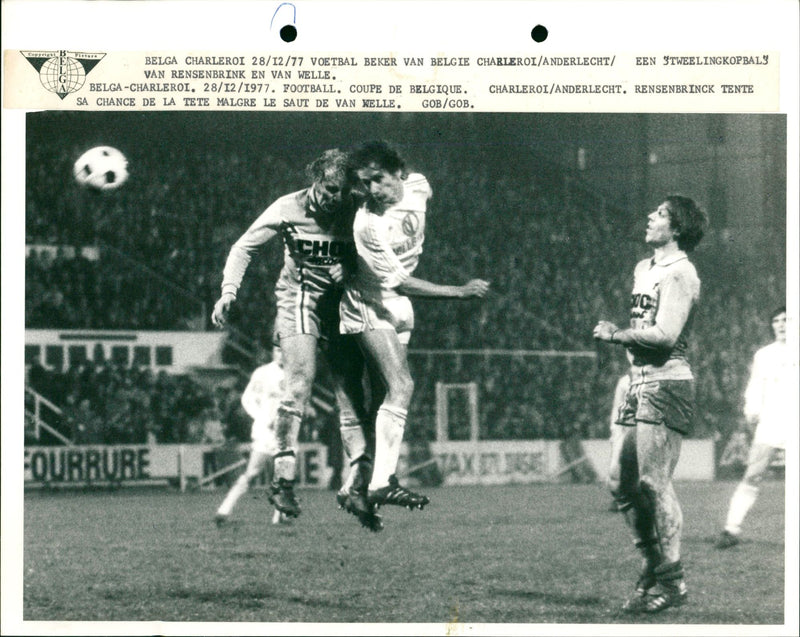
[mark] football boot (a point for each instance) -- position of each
(396, 494)
(283, 498)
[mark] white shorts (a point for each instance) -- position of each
(357, 316)
(263, 437)
(771, 432)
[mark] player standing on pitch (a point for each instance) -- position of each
(260, 400)
(389, 230)
(764, 407)
(659, 405)
(316, 227)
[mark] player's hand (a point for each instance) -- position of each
(219, 316)
(476, 288)
(604, 330)
(337, 272)
(340, 272)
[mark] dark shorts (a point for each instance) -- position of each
(665, 402)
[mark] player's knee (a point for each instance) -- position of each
(753, 479)
(401, 389)
(298, 387)
(755, 473)
(649, 487)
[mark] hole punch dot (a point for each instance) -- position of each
(288, 33)
(539, 33)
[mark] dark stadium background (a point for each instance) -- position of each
(550, 207)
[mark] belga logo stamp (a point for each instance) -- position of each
(62, 72)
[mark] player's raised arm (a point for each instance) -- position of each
(412, 286)
(264, 228)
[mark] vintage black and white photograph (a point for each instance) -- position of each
(312, 346)
(373, 362)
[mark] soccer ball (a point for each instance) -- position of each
(101, 168)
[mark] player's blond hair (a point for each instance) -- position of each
(331, 164)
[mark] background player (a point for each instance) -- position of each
(260, 400)
(389, 231)
(316, 227)
(764, 407)
(659, 406)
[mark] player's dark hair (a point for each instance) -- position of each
(331, 163)
(777, 312)
(378, 153)
(688, 219)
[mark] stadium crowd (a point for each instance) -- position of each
(113, 404)
(555, 252)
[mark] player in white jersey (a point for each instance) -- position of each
(389, 231)
(316, 227)
(659, 405)
(768, 389)
(260, 400)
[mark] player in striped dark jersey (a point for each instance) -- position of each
(316, 227)
(389, 231)
(659, 406)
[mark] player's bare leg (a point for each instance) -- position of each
(352, 497)
(746, 494)
(347, 368)
(658, 450)
(255, 465)
(636, 509)
(299, 360)
(390, 358)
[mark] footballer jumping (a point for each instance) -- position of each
(316, 227)
(389, 230)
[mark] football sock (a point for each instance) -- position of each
(389, 427)
(238, 489)
(355, 446)
(285, 466)
(255, 465)
(287, 427)
(742, 501)
(353, 441)
(669, 574)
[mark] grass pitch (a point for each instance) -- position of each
(535, 554)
